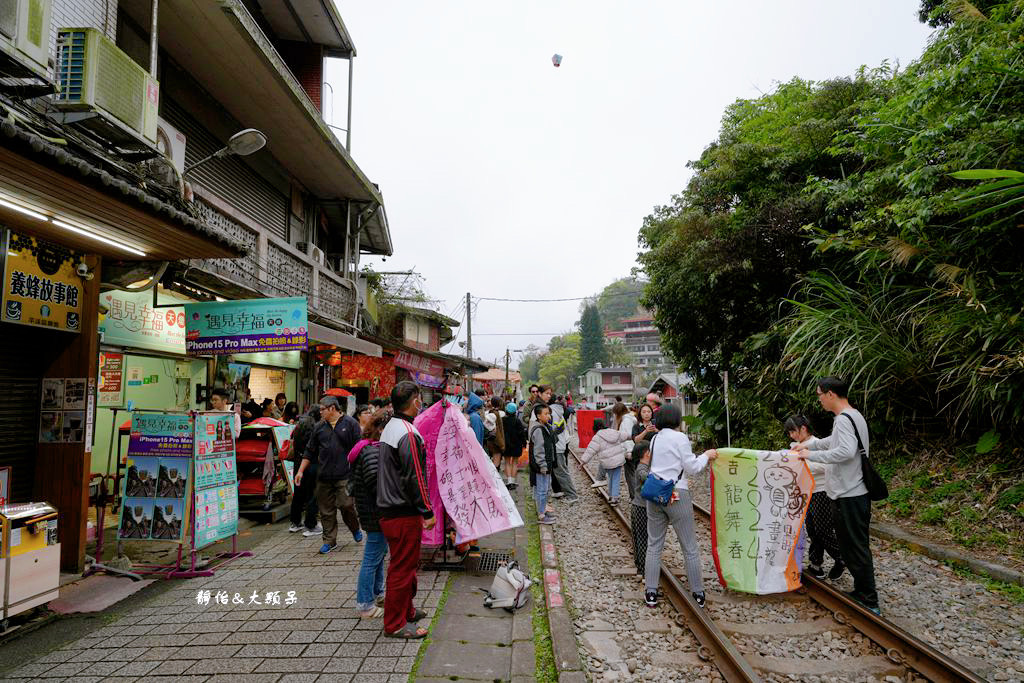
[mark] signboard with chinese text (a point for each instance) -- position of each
(421, 364)
(216, 487)
(111, 388)
(156, 486)
(758, 503)
(41, 287)
(470, 488)
(254, 325)
(132, 321)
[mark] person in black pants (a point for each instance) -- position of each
(303, 499)
(821, 526)
(845, 486)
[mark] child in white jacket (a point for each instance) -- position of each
(606, 445)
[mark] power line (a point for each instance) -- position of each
(539, 301)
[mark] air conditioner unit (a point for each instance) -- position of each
(318, 255)
(101, 88)
(171, 143)
(25, 37)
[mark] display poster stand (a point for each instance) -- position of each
(160, 439)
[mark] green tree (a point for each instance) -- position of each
(569, 340)
(558, 368)
(617, 354)
(619, 300)
(592, 349)
(529, 365)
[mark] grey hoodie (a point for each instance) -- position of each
(845, 478)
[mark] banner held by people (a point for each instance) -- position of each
(758, 503)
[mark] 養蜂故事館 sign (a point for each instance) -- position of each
(41, 287)
(252, 325)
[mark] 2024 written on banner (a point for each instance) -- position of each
(216, 487)
(155, 488)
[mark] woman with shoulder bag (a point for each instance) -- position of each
(669, 502)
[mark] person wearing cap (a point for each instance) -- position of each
(329, 444)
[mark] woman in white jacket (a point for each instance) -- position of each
(606, 444)
(672, 459)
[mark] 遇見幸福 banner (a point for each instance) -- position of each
(248, 326)
(758, 503)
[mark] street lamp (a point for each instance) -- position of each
(242, 144)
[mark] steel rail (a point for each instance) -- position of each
(715, 647)
(902, 648)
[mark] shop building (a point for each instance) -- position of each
(600, 387)
(131, 171)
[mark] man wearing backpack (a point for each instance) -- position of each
(845, 485)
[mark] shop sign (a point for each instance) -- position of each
(156, 484)
(275, 359)
(421, 364)
(253, 325)
(425, 380)
(111, 390)
(132, 321)
(41, 287)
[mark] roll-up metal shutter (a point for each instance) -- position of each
(229, 177)
(20, 384)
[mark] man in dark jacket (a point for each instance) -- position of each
(329, 445)
(304, 496)
(404, 506)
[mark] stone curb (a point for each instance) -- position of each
(563, 635)
(893, 533)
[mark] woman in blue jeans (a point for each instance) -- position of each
(362, 482)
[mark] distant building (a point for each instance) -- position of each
(642, 339)
(600, 386)
(675, 388)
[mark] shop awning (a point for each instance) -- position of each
(497, 375)
(325, 335)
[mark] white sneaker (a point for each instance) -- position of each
(315, 531)
(295, 527)
(557, 495)
(599, 484)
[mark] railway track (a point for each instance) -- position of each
(901, 648)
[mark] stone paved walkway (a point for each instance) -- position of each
(318, 637)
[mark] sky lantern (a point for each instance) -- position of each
(556, 59)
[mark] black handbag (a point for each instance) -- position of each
(873, 482)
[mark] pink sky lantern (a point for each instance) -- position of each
(556, 59)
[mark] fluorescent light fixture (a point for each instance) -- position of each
(28, 212)
(98, 238)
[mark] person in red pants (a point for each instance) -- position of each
(405, 512)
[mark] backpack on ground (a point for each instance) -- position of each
(510, 588)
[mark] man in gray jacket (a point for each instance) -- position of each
(845, 486)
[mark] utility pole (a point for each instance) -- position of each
(508, 358)
(469, 326)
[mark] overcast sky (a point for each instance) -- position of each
(504, 176)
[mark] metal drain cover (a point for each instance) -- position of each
(488, 561)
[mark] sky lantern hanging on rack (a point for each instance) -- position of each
(556, 59)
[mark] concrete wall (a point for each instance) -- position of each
(100, 14)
